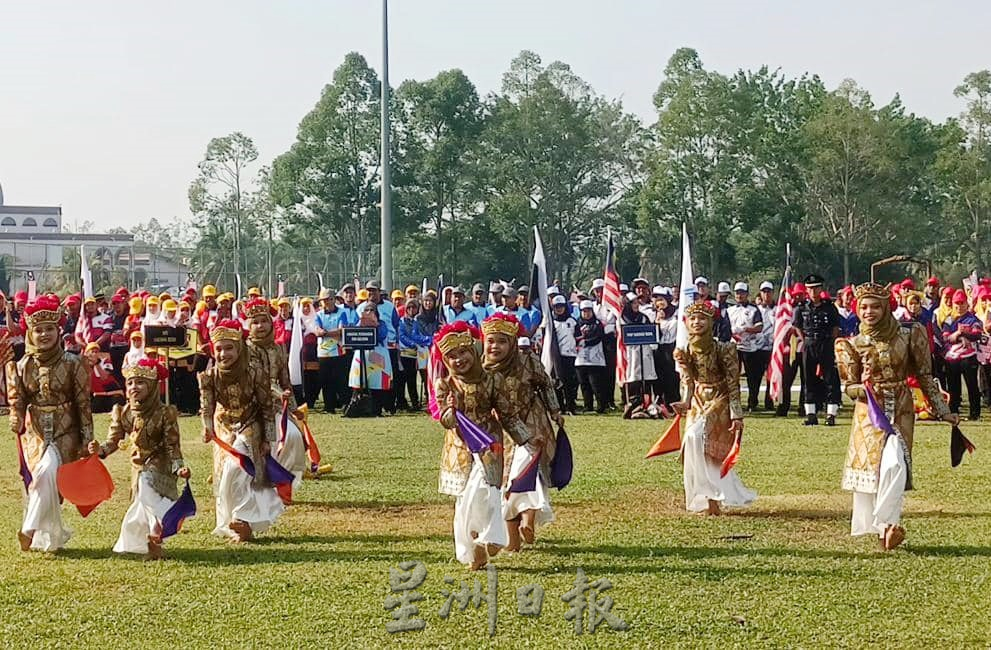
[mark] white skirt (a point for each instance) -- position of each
(292, 455)
(143, 518)
(872, 513)
(478, 516)
(702, 480)
(239, 500)
(43, 512)
(539, 499)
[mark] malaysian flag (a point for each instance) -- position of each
(784, 316)
(613, 301)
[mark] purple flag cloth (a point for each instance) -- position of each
(526, 481)
(182, 509)
(477, 439)
(876, 414)
(563, 464)
(277, 474)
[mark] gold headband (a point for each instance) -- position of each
(257, 310)
(699, 308)
(149, 373)
(225, 334)
(455, 340)
(44, 316)
(872, 290)
(500, 326)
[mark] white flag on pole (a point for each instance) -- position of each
(687, 289)
(84, 274)
(296, 345)
(547, 324)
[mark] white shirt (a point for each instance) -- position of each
(740, 318)
(565, 331)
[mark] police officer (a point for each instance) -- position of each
(818, 321)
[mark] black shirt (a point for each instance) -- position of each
(817, 322)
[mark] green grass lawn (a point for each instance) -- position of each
(784, 572)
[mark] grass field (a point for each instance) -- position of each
(784, 572)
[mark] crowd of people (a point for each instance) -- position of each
(474, 356)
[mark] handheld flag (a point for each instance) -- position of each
(296, 345)
(182, 509)
(549, 355)
(734, 455)
(85, 483)
(687, 288)
(283, 425)
(242, 459)
(959, 444)
(523, 473)
(22, 462)
(669, 441)
(280, 477)
(877, 416)
(84, 275)
(563, 464)
(477, 439)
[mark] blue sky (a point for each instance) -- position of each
(106, 106)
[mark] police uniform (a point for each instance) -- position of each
(819, 324)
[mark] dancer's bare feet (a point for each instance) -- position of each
(493, 549)
(242, 529)
(527, 526)
(24, 540)
(893, 536)
(154, 547)
(513, 526)
(714, 509)
(480, 558)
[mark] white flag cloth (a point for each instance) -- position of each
(84, 273)
(296, 345)
(540, 262)
(687, 288)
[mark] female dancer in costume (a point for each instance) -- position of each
(710, 380)
(236, 407)
(49, 393)
(877, 363)
(156, 457)
(532, 391)
(474, 478)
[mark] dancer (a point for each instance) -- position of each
(527, 386)
(710, 380)
(274, 363)
(875, 366)
(474, 479)
(49, 394)
(237, 410)
(156, 458)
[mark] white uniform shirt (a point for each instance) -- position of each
(740, 318)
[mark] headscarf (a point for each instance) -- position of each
(43, 304)
(509, 326)
(945, 306)
(465, 336)
(152, 401)
(260, 307)
(887, 326)
(239, 373)
(703, 343)
(136, 352)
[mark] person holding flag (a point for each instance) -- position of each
(238, 414)
(875, 366)
(474, 408)
(526, 384)
(152, 429)
(50, 415)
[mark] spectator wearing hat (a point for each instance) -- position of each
(389, 317)
(495, 298)
(960, 332)
(105, 389)
(457, 311)
(768, 311)
(932, 294)
(608, 320)
(478, 306)
(819, 323)
(702, 289)
(590, 360)
(640, 371)
(722, 328)
(747, 326)
(667, 387)
(398, 299)
(564, 333)
(641, 287)
(330, 323)
(412, 347)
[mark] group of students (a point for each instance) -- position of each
(263, 446)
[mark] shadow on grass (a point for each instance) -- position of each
(373, 505)
(826, 514)
(948, 551)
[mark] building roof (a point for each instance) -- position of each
(67, 237)
(30, 209)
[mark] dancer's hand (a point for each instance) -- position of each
(208, 435)
(680, 407)
(952, 418)
(558, 418)
(286, 394)
(184, 472)
(736, 427)
(93, 447)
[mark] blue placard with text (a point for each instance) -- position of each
(640, 334)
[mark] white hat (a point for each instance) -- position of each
(598, 283)
(723, 287)
(586, 304)
(553, 290)
(624, 287)
(631, 296)
(643, 281)
(741, 286)
(765, 285)
(657, 291)
(523, 342)
(559, 300)
(701, 280)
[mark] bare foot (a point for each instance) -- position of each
(493, 549)
(714, 509)
(154, 547)
(893, 536)
(513, 526)
(527, 526)
(24, 540)
(480, 559)
(242, 529)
